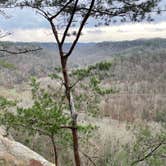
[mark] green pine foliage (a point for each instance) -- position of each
(46, 115)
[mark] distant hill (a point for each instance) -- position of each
(18, 68)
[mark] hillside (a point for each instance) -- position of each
(15, 69)
(134, 111)
(137, 72)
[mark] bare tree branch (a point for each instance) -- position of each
(2, 35)
(56, 36)
(61, 10)
(70, 21)
(81, 27)
(149, 154)
(20, 52)
(89, 158)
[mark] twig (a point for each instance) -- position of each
(70, 21)
(81, 27)
(148, 155)
(89, 158)
(20, 52)
(61, 10)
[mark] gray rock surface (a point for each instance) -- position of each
(13, 153)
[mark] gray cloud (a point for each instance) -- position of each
(95, 31)
(123, 30)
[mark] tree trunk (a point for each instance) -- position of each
(55, 152)
(75, 145)
(72, 111)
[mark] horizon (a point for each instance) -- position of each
(111, 41)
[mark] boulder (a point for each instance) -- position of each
(13, 153)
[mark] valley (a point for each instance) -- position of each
(135, 109)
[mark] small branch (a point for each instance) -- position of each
(81, 27)
(69, 23)
(89, 158)
(4, 14)
(20, 52)
(61, 10)
(33, 128)
(148, 155)
(75, 83)
(56, 36)
(2, 35)
(42, 12)
(67, 127)
(55, 150)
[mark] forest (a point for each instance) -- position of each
(83, 104)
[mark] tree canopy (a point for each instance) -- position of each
(135, 10)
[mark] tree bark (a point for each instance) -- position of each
(72, 110)
(75, 145)
(55, 152)
(64, 59)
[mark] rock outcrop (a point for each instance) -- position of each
(13, 153)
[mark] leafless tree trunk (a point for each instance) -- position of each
(55, 151)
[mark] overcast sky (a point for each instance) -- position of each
(26, 25)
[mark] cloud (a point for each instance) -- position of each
(127, 32)
(93, 34)
(94, 31)
(30, 35)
